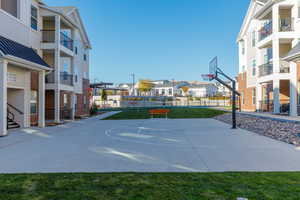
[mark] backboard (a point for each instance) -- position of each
(213, 66)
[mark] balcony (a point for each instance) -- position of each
(266, 30)
(65, 78)
(48, 36)
(286, 24)
(66, 41)
(265, 69)
(50, 78)
(284, 67)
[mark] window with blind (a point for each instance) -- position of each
(34, 18)
(10, 6)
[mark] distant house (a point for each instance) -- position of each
(202, 90)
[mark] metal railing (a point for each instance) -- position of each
(266, 30)
(66, 41)
(284, 67)
(286, 24)
(48, 36)
(265, 69)
(50, 78)
(66, 78)
(266, 106)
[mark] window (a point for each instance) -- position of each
(170, 91)
(65, 100)
(299, 92)
(254, 67)
(33, 102)
(84, 100)
(254, 96)
(11, 77)
(163, 92)
(242, 98)
(243, 47)
(253, 35)
(10, 6)
(76, 50)
(34, 18)
(66, 63)
(75, 103)
(84, 57)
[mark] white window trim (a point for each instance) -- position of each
(18, 18)
(37, 18)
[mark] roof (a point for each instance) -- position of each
(293, 53)
(66, 11)
(100, 85)
(250, 13)
(12, 48)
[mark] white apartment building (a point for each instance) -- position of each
(44, 63)
(268, 78)
(202, 90)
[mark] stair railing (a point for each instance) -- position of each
(16, 109)
(11, 115)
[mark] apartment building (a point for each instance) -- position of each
(44, 64)
(269, 75)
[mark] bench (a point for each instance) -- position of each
(159, 112)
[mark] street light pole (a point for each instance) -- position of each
(133, 84)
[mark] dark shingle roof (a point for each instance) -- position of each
(9, 47)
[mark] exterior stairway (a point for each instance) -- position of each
(11, 123)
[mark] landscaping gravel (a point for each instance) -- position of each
(279, 130)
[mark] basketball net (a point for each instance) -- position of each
(208, 77)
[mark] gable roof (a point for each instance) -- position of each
(12, 48)
(250, 12)
(66, 12)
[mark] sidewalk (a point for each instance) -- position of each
(272, 116)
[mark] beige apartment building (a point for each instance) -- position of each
(44, 64)
(269, 73)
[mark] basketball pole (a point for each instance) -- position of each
(234, 93)
(215, 71)
(233, 105)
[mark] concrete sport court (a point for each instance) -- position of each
(187, 145)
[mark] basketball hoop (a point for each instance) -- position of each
(208, 77)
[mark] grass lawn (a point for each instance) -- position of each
(148, 186)
(176, 113)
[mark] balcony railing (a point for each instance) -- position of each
(284, 67)
(286, 24)
(266, 30)
(66, 41)
(266, 106)
(50, 78)
(48, 36)
(66, 78)
(265, 69)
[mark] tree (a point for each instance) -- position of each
(145, 86)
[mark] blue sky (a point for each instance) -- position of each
(160, 39)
